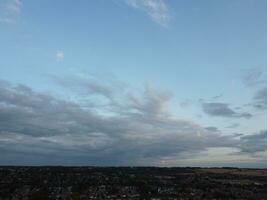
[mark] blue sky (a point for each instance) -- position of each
(185, 63)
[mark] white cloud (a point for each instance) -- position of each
(157, 10)
(10, 11)
(60, 55)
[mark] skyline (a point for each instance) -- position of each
(133, 82)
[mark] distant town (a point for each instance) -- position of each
(117, 183)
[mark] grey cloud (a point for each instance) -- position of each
(261, 99)
(223, 110)
(138, 130)
(254, 143)
(212, 128)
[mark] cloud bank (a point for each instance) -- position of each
(107, 123)
(129, 128)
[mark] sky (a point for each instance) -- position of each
(133, 83)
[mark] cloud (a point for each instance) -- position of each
(60, 55)
(10, 11)
(186, 103)
(218, 96)
(260, 99)
(139, 129)
(212, 128)
(157, 10)
(234, 125)
(254, 143)
(87, 84)
(253, 77)
(223, 110)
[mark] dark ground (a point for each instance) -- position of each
(39, 183)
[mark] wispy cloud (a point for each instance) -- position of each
(234, 125)
(253, 77)
(60, 55)
(10, 11)
(157, 10)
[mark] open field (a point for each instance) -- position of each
(235, 171)
(71, 183)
